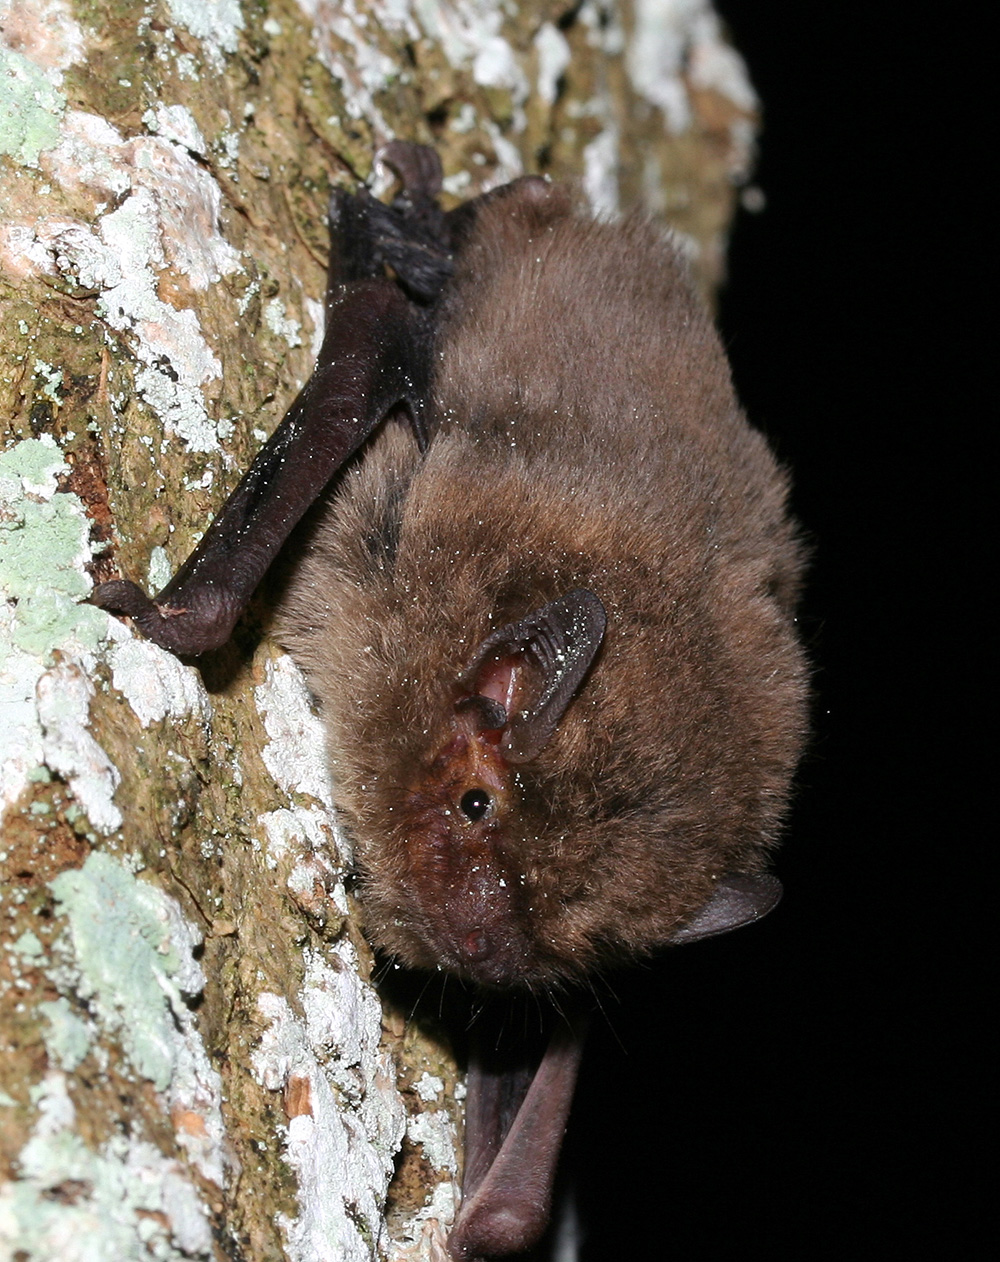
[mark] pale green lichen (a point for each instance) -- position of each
(44, 708)
(124, 935)
(52, 379)
(43, 549)
(159, 571)
(35, 463)
(68, 1036)
(124, 1203)
(28, 945)
(128, 954)
(30, 109)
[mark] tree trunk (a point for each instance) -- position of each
(196, 1063)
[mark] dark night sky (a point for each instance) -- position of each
(807, 1090)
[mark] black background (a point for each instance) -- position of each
(807, 1088)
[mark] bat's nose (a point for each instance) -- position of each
(478, 946)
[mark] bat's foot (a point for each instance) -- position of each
(408, 235)
(418, 168)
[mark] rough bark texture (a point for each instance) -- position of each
(195, 1063)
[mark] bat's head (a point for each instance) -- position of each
(539, 838)
(537, 782)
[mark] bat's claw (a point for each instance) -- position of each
(123, 597)
(186, 632)
(418, 167)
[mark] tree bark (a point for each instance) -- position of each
(195, 1062)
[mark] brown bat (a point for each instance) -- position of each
(549, 621)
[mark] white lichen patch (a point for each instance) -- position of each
(44, 709)
(677, 42)
(509, 163)
(176, 123)
(125, 1202)
(120, 261)
(470, 34)
(129, 950)
(600, 172)
(170, 221)
(91, 154)
(457, 185)
(714, 64)
(217, 23)
(428, 1087)
(346, 40)
(29, 945)
(347, 1121)
(553, 52)
(51, 379)
(125, 271)
(280, 324)
(308, 841)
(63, 696)
(673, 49)
(295, 754)
(317, 316)
(434, 1131)
(299, 833)
(423, 1236)
(155, 684)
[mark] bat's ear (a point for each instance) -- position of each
(556, 644)
(737, 901)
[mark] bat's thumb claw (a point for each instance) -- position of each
(183, 631)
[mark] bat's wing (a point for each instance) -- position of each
(372, 361)
(375, 357)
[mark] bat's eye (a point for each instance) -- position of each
(475, 803)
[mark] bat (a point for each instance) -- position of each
(545, 601)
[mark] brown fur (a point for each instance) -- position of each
(584, 434)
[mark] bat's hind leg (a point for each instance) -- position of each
(412, 235)
(409, 236)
